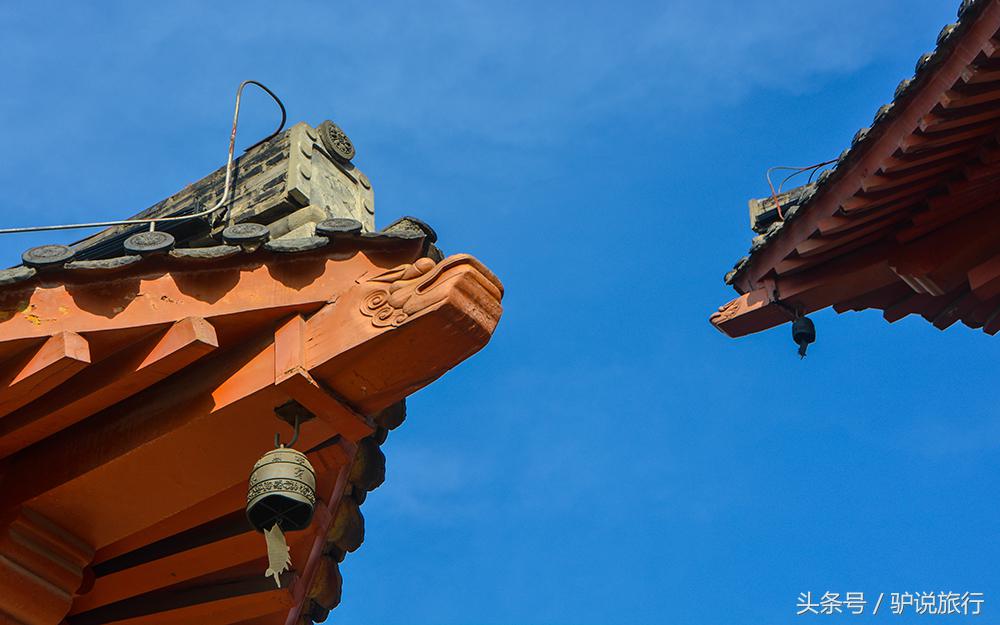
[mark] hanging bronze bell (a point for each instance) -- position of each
(282, 498)
(282, 491)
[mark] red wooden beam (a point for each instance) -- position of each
(303, 581)
(976, 171)
(842, 223)
(793, 265)
(818, 245)
(919, 142)
(173, 569)
(976, 75)
(749, 313)
(943, 211)
(984, 279)
(58, 359)
(938, 263)
(955, 311)
(816, 290)
(955, 99)
(448, 312)
(879, 298)
(275, 618)
(859, 202)
(979, 314)
(219, 555)
(291, 375)
(242, 286)
(222, 604)
(884, 182)
(203, 511)
(195, 514)
(900, 162)
(108, 382)
(936, 122)
(906, 306)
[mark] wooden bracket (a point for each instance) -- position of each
(292, 377)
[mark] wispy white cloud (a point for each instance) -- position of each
(952, 437)
(141, 93)
(419, 67)
(552, 71)
(434, 485)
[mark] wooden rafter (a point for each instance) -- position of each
(58, 359)
(117, 377)
(894, 135)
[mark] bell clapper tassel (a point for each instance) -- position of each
(279, 558)
(803, 333)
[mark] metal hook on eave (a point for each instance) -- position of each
(295, 436)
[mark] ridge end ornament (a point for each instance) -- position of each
(336, 141)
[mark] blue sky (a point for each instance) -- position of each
(609, 457)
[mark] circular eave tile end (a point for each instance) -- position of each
(338, 225)
(336, 141)
(47, 256)
(247, 233)
(151, 242)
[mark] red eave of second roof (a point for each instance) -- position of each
(861, 241)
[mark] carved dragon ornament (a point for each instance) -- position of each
(404, 292)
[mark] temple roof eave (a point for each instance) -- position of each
(851, 239)
(122, 365)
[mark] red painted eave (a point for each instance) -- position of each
(918, 175)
